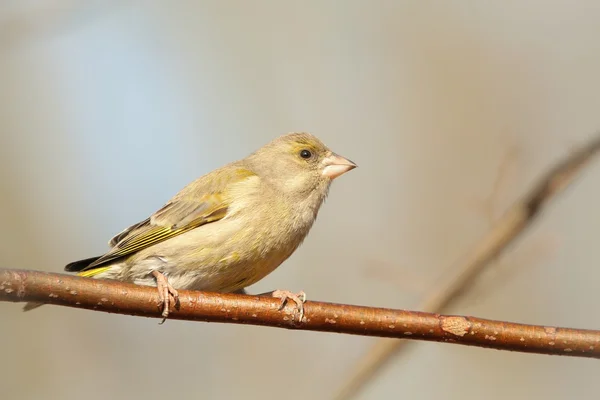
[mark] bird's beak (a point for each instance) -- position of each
(335, 165)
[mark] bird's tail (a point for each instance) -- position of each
(32, 306)
(80, 265)
(76, 266)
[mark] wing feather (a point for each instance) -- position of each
(189, 209)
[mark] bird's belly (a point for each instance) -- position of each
(228, 276)
(213, 260)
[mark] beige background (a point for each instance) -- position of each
(107, 108)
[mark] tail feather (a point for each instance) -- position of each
(32, 306)
(80, 265)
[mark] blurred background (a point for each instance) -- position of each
(450, 108)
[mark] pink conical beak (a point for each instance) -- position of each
(335, 165)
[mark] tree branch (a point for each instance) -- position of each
(460, 276)
(123, 298)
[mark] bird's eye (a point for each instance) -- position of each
(306, 154)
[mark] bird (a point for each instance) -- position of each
(227, 229)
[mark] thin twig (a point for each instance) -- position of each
(508, 228)
(124, 298)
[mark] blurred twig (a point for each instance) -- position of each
(490, 205)
(527, 256)
(510, 226)
(408, 281)
(125, 298)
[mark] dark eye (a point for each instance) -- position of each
(306, 154)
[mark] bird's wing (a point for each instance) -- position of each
(198, 204)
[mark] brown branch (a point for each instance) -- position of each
(123, 298)
(460, 276)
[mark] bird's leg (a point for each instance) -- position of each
(165, 291)
(285, 295)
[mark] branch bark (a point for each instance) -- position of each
(123, 298)
(462, 274)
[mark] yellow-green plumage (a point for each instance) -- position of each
(93, 272)
(231, 227)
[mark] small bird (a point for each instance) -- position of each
(227, 229)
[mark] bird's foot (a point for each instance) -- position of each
(298, 298)
(165, 291)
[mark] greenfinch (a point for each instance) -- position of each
(229, 228)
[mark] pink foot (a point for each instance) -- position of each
(298, 298)
(165, 291)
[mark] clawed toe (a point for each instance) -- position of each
(298, 298)
(165, 292)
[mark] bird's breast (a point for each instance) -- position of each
(239, 250)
